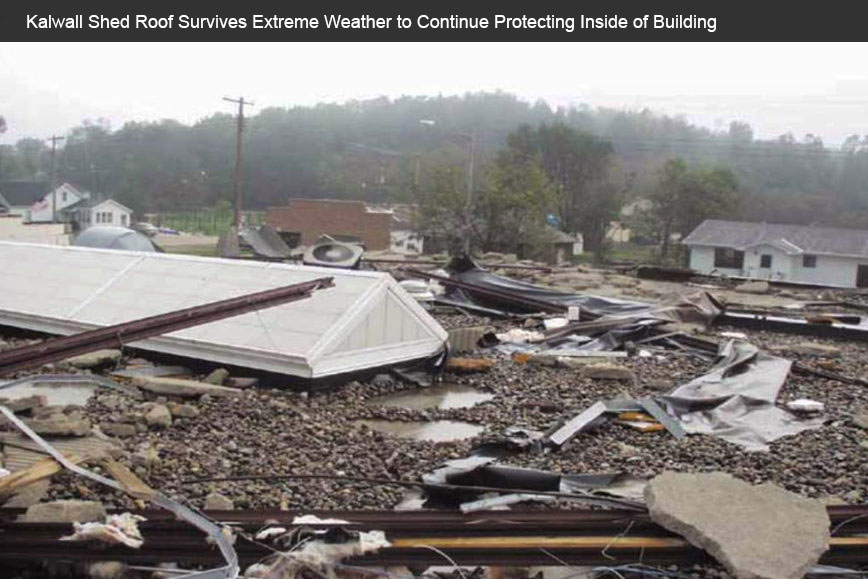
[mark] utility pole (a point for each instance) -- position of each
(240, 129)
(468, 203)
(54, 139)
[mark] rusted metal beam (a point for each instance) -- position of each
(383, 260)
(498, 538)
(117, 335)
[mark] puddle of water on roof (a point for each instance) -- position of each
(437, 431)
(441, 396)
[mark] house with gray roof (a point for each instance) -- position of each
(795, 253)
(17, 196)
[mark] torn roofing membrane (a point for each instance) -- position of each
(735, 400)
(366, 320)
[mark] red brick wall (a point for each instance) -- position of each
(314, 217)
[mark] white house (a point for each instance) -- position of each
(795, 253)
(108, 212)
(65, 195)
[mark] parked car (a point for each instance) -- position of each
(148, 229)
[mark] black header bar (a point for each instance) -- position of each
(433, 22)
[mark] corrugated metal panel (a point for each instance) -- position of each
(69, 289)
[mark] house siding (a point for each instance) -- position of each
(781, 266)
(44, 215)
(831, 270)
(702, 261)
(119, 216)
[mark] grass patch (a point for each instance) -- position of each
(206, 221)
(202, 250)
(632, 252)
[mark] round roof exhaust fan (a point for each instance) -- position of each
(334, 254)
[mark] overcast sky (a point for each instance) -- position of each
(777, 88)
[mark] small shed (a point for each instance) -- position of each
(365, 321)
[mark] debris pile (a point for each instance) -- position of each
(736, 438)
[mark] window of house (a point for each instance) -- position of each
(109, 216)
(765, 261)
(728, 258)
(63, 196)
(123, 219)
(809, 260)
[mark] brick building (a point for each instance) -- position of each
(343, 220)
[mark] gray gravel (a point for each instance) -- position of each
(274, 431)
(282, 431)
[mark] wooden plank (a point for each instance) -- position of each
(131, 483)
(534, 542)
(42, 469)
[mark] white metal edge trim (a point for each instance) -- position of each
(385, 355)
(188, 348)
(326, 271)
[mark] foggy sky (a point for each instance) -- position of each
(800, 88)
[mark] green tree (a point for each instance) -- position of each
(514, 204)
(376, 150)
(32, 157)
(685, 196)
(579, 165)
(441, 204)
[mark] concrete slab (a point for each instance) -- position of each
(756, 532)
(184, 388)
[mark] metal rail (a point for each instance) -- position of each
(117, 335)
(498, 538)
(516, 266)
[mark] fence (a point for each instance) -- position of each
(205, 221)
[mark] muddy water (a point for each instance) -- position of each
(441, 396)
(437, 431)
